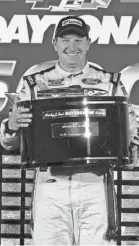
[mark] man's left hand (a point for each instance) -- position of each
(133, 149)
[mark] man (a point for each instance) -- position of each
(69, 207)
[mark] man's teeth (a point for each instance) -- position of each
(72, 54)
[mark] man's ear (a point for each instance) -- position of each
(55, 43)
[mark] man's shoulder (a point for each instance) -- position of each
(103, 75)
(41, 67)
(95, 66)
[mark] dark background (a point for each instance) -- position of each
(111, 57)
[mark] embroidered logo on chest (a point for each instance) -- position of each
(56, 82)
(95, 92)
(90, 81)
(40, 81)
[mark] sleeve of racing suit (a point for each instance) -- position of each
(133, 124)
(120, 90)
(133, 127)
(11, 141)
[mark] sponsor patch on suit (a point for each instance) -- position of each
(30, 80)
(95, 92)
(115, 77)
(90, 81)
(56, 82)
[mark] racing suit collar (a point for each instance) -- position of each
(84, 71)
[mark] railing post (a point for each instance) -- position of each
(22, 212)
(119, 193)
(0, 195)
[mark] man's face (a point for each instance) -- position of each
(72, 50)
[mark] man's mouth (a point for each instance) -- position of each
(72, 53)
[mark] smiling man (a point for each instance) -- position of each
(72, 43)
(69, 206)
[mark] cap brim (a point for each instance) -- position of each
(72, 30)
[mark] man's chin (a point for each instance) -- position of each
(72, 65)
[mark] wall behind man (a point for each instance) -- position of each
(26, 30)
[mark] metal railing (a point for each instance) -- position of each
(16, 187)
(128, 206)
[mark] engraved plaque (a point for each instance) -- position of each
(73, 113)
(74, 129)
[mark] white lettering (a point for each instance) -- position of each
(19, 29)
(72, 21)
(110, 28)
(3, 26)
(134, 36)
(16, 30)
(95, 26)
(39, 27)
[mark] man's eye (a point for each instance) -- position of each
(65, 41)
(78, 40)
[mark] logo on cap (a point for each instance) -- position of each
(71, 21)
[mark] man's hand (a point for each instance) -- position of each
(19, 117)
(133, 149)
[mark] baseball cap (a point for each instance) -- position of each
(72, 24)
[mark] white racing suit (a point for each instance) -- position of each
(69, 207)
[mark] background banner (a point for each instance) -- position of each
(26, 30)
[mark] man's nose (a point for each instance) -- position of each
(72, 46)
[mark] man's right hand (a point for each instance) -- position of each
(19, 117)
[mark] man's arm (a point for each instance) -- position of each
(19, 117)
(9, 136)
(133, 128)
(10, 140)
